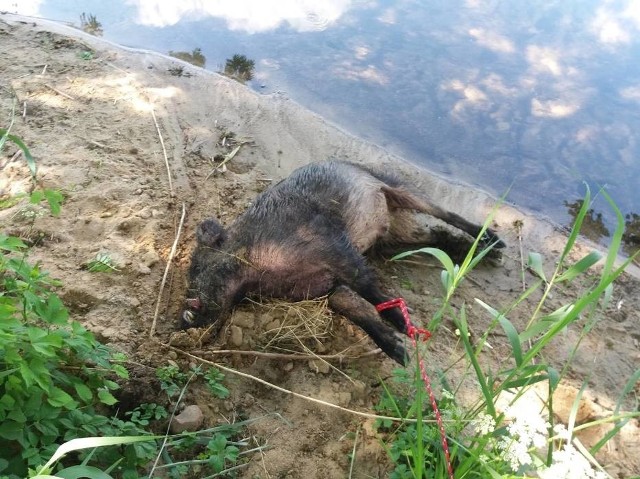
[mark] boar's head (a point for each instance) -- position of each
(214, 278)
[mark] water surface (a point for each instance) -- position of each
(535, 98)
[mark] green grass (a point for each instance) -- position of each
(513, 446)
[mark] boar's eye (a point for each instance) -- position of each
(188, 316)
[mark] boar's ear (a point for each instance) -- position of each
(210, 233)
(194, 303)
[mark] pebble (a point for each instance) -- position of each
(236, 335)
(190, 420)
(244, 319)
(288, 367)
(144, 213)
(319, 367)
(143, 269)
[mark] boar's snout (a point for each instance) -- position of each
(192, 315)
(197, 315)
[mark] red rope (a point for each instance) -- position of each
(413, 333)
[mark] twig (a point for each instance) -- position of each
(226, 159)
(353, 452)
(166, 273)
(99, 145)
(164, 151)
(61, 93)
(518, 225)
(295, 357)
(287, 391)
(44, 69)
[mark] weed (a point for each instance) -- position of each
(172, 380)
(57, 382)
(145, 413)
(240, 68)
(101, 263)
(516, 441)
(55, 375)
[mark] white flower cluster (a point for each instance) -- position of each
(568, 463)
(484, 424)
(525, 431)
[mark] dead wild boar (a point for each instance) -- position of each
(304, 238)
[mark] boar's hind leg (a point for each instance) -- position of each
(348, 303)
(398, 197)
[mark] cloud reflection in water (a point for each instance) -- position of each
(251, 16)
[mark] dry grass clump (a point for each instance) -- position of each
(300, 326)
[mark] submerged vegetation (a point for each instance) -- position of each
(194, 57)
(90, 24)
(239, 67)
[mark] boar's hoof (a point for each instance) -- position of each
(396, 349)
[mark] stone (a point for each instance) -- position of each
(150, 258)
(189, 420)
(235, 336)
(319, 367)
(244, 319)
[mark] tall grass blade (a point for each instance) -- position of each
(461, 324)
(616, 238)
(580, 267)
(31, 163)
(577, 225)
(509, 329)
(544, 323)
(435, 252)
(90, 442)
(629, 386)
(534, 263)
(574, 409)
(80, 472)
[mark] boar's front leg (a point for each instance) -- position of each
(356, 309)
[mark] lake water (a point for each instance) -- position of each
(534, 97)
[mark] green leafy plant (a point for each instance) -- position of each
(101, 263)
(173, 380)
(55, 378)
(145, 413)
(488, 442)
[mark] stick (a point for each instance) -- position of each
(518, 225)
(59, 92)
(226, 159)
(164, 151)
(292, 357)
(152, 332)
(287, 391)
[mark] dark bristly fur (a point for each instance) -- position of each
(304, 238)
